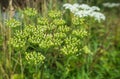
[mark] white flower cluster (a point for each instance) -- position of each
(111, 5)
(85, 10)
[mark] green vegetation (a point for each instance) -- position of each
(58, 44)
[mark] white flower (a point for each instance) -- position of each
(111, 5)
(82, 13)
(76, 5)
(98, 16)
(67, 6)
(95, 8)
(85, 10)
(72, 8)
(84, 7)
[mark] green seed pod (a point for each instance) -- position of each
(30, 12)
(78, 21)
(80, 33)
(12, 23)
(34, 57)
(86, 50)
(42, 21)
(54, 14)
(58, 22)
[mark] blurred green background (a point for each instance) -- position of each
(104, 42)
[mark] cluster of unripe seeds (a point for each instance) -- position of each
(48, 35)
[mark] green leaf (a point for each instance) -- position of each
(59, 65)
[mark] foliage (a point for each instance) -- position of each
(59, 46)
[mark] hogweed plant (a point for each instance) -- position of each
(51, 48)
